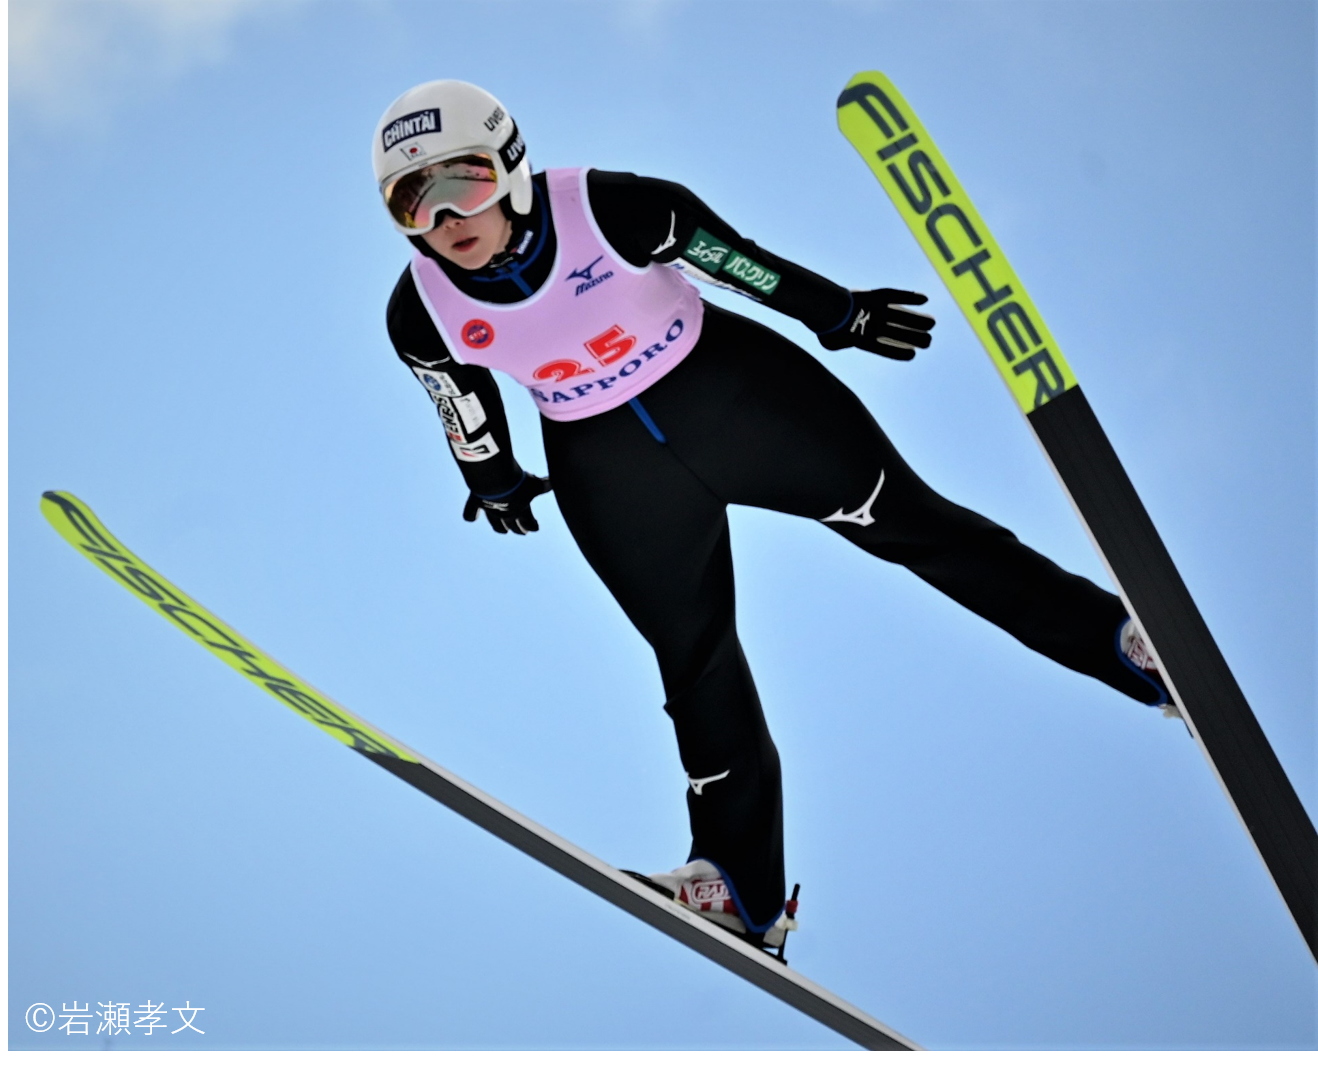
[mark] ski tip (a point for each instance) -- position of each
(860, 78)
(59, 499)
(55, 503)
(65, 511)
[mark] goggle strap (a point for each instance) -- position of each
(513, 150)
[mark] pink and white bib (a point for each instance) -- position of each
(598, 332)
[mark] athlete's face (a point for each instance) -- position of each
(471, 242)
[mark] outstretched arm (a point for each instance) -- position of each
(649, 220)
(471, 411)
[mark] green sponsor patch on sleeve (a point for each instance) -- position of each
(712, 255)
(706, 251)
(762, 279)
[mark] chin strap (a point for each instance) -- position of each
(510, 265)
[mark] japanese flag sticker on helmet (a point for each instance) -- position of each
(440, 121)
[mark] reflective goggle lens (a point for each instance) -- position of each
(462, 185)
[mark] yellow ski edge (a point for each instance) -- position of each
(77, 524)
(883, 128)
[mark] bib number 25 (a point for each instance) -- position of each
(611, 345)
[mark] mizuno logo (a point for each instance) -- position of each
(587, 276)
(861, 515)
(671, 239)
(698, 783)
(584, 272)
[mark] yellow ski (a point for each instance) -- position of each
(882, 127)
(80, 527)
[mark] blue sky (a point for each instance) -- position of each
(994, 853)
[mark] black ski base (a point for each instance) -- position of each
(604, 882)
(1213, 705)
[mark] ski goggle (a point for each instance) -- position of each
(464, 185)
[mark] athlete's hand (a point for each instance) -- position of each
(511, 512)
(878, 323)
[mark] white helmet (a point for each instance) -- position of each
(458, 123)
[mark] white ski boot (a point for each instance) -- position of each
(1135, 650)
(700, 886)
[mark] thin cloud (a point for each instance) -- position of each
(72, 56)
(645, 18)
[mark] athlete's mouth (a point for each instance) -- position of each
(465, 245)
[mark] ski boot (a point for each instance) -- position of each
(1135, 652)
(700, 886)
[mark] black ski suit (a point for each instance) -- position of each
(644, 490)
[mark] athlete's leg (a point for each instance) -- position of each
(658, 538)
(763, 423)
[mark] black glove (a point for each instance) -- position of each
(876, 323)
(510, 512)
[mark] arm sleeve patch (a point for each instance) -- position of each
(437, 383)
(476, 451)
(469, 407)
(708, 255)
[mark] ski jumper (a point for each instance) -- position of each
(747, 417)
